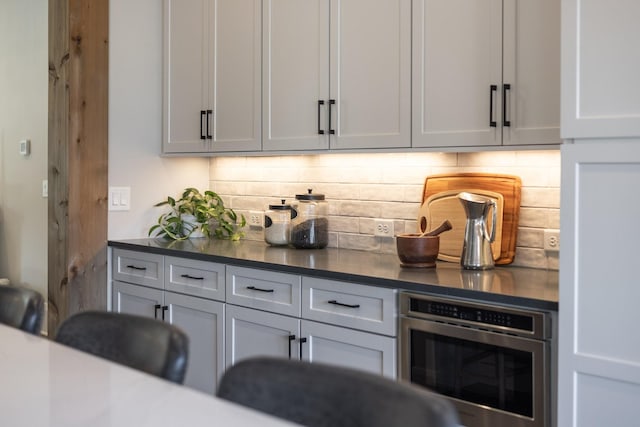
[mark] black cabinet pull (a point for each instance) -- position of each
(155, 310)
(334, 302)
(164, 310)
(291, 339)
(320, 103)
(202, 118)
(331, 102)
(209, 113)
(133, 267)
(302, 341)
(505, 120)
(186, 276)
(253, 288)
(494, 89)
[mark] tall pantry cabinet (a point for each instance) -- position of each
(336, 74)
(599, 353)
(212, 90)
(486, 73)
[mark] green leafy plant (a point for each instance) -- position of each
(196, 211)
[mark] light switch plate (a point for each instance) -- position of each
(119, 198)
(25, 147)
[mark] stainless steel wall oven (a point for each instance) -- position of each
(493, 362)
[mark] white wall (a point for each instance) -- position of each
(23, 115)
(135, 119)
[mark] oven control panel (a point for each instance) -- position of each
(479, 315)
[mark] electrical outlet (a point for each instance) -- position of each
(255, 218)
(552, 240)
(383, 227)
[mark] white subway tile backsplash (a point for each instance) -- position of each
(540, 197)
(530, 237)
(344, 224)
(360, 188)
(382, 192)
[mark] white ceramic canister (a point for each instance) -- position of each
(277, 224)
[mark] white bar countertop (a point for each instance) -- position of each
(43, 383)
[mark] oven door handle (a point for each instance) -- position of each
(472, 334)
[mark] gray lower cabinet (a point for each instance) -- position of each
(184, 292)
(251, 333)
(267, 313)
(263, 321)
(201, 319)
(349, 348)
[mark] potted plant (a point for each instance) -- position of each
(198, 213)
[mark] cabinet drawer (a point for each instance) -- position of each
(138, 267)
(199, 278)
(265, 290)
(368, 308)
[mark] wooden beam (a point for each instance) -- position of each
(78, 157)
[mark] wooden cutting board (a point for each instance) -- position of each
(509, 186)
(445, 205)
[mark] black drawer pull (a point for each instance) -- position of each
(202, 118)
(331, 102)
(334, 302)
(320, 103)
(506, 90)
(492, 90)
(133, 267)
(253, 288)
(302, 341)
(209, 113)
(155, 310)
(186, 276)
(291, 339)
(164, 310)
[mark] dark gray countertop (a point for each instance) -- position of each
(527, 287)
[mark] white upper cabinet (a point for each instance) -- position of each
(485, 73)
(531, 58)
(600, 90)
(212, 63)
(336, 74)
(370, 78)
(295, 74)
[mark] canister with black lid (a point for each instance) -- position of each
(310, 226)
(277, 224)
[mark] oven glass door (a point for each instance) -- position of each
(481, 368)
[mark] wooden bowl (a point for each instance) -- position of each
(417, 251)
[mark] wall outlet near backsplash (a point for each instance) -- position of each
(363, 189)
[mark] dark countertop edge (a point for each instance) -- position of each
(347, 277)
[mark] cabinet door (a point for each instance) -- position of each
(234, 89)
(370, 78)
(352, 349)
(599, 355)
(186, 24)
(251, 333)
(457, 58)
(134, 299)
(203, 321)
(532, 71)
(600, 69)
(295, 74)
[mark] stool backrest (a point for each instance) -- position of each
(21, 308)
(318, 395)
(141, 343)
